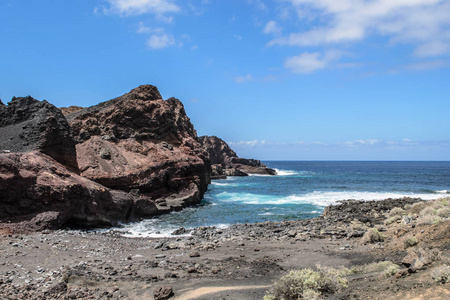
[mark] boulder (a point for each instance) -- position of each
(46, 195)
(27, 124)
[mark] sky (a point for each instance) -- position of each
(277, 80)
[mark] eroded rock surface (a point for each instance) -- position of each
(27, 124)
(225, 161)
(39, 193)
(139, 141)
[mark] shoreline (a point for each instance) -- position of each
(241, 261)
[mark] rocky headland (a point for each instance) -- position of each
(225, 162)
(132, 157)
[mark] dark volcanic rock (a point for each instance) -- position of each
(41, 193)
(139, 141)
(27, 124)
(222, 155)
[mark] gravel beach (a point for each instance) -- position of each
(239, 262)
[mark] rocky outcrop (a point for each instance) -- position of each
(225, 161)
(141, 142)
(132, 157)
(27, 124)
(40, 193)
(71, 109)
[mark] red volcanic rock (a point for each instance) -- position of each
(37, 193)
(139, 141)
(27, 124)
(226, 162)
(70, 109)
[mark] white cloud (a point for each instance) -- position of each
(308, 62)
(138, 7)
(145, 29)
(242, 79)
(423, 23)
(160, 41)
(272, 28)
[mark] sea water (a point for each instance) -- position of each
(301, 190)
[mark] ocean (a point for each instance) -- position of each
(301, 190)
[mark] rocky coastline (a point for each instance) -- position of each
(407, 258)
(138, 156)
(133, 157)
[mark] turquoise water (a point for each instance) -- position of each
(301, 190)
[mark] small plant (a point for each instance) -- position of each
(411, 241)
(428, 211)
(396, 211)
(443, 212)
(392, 219)
(428, 220)
(441, 274)
(307, 284)
(357, 225)
(391, 270)
(372, 236)
(444, 201)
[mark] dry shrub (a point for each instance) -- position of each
(428, 220)
(443, 212)
(428, 211)
(387, 267)
(307, 284)
(396, 211)
(372, 236)
(441, 274)
(392, 219)
(356, 225)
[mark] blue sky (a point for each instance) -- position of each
(281, 79)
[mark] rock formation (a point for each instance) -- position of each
(27, 124)
(41, 193)
(132, 157)
(140, 142)
(225, 161)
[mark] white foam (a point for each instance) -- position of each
(320, 198)
(443, 192)
(222, 184)
(285, 172)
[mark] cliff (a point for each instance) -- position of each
(225, 161)
(132, 157)
(139, 142)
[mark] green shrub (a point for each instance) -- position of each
(411, 241)
(441, 274)
(372, 236)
